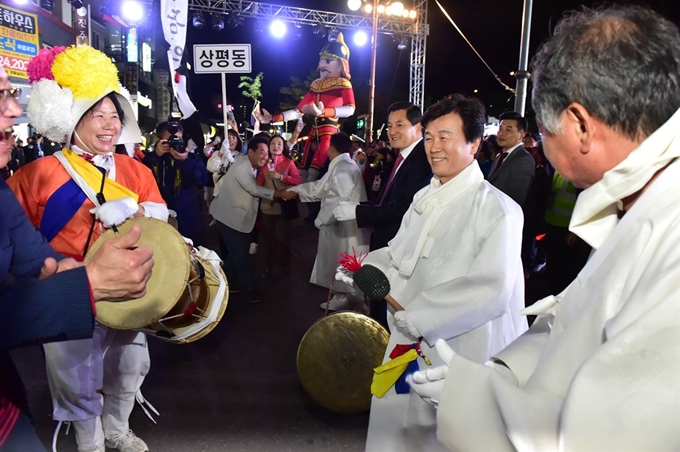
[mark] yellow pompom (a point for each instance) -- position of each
(86, 71)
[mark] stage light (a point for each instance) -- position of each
(217, 22)
(404, 14)
(297, 35)
(412, 14)
(198, 20)
(333, 35)
(402, 44)
(20, 2)
(368, 8)
(278, 28)
(381, 9)
(133, 11)
(234, 21)
(354, 5)
(320, 30)
(76, 3)
(360, 38)
(397, 8)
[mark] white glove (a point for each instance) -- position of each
(346, 211)
(313, 109)
(115, 212)
(428, 383)
(318, 223)
(342, 274)
(405, 323)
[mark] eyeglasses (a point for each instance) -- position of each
(6, 95)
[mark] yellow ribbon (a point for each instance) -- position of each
(387, 375)
(93, 178)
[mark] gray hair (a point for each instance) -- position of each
(621, 63)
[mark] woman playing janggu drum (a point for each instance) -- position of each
(72, 197)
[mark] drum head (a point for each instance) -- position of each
(166, 285)
(336, 358)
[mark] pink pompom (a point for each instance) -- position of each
(40, 66)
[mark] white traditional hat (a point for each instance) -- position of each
(65, 83)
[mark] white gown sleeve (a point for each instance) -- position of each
(339, 188)
(624, 396)
(307, 192)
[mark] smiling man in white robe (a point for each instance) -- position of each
(600, 367)
(454, 266)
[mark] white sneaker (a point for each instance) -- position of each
(339, 302)
(126, 442)
(253, 248)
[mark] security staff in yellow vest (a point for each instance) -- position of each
(566, 253)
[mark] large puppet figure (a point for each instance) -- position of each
(329, 98)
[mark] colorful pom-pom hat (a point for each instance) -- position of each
(65, 83)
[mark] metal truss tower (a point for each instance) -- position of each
(418, 47)
(417, 29)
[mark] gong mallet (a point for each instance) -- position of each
(375, 285)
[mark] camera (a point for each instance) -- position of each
(174, 141)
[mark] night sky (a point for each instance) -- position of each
(492, 26)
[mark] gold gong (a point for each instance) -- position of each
(336, 358)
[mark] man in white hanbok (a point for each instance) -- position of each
(454, 266)
(600, 368)
(342, 183)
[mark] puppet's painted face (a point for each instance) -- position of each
(329, 67)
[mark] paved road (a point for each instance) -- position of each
(236, 389)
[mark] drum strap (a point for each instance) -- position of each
(100, 198)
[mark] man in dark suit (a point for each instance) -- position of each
(410, 173)
(52, 298)
(513, 170)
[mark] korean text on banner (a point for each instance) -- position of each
(222, 58)
(174, 14)
(18, 40)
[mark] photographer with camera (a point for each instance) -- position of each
(180, 174)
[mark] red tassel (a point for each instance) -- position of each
(189, 311)
(351, 262)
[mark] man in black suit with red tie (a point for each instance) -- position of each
(410, 173)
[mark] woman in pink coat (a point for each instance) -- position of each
(279, 174)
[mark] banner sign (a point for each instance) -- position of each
(222, 58)
(19, 40)
(174, 14)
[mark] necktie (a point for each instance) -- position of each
(498, 164)
(389, 181)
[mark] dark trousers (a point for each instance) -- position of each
(237, 264)
(564, 261)
(276, 240)
(22, 438)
